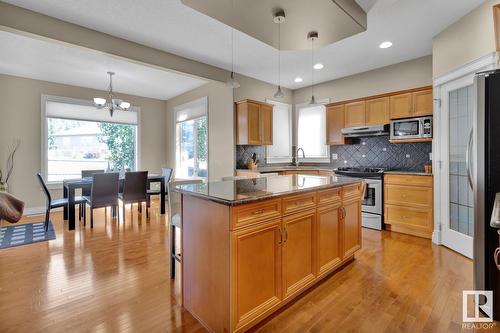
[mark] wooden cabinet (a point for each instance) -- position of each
(377, 111)
(401, 106)
(328, 237)
(256, 271)
(411, 104)
(254, 123)
(408, 204)
(351, 226)
(335, 122)
(422, 103)
(298, 252)
(355, 114)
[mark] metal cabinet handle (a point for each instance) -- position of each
(258, 212)
(286, 235)
(298, 203)
(281, 236)
(468, 160)
(495, 257)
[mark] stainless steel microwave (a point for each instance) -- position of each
(413, 128)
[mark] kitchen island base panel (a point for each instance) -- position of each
(235, 275)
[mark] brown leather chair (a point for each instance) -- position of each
(104, 193)
(135, 190)
(54, 203)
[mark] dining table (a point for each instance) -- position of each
(71, 185)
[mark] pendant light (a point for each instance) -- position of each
(312, 36)
(111, 103)
(279, 18)
(232, 82)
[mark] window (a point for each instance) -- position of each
(192, 139)
(77, 136)
(281, 150)
(311, 133)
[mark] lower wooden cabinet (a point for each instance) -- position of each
(351, 226)
(298, 252)
(256, 271)
(329, 241)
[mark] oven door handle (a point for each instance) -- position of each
(468, 160)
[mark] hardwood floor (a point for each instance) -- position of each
(115, 278)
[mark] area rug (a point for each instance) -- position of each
(23, 234)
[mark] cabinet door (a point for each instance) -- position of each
(328, 238)
(335, 122)
(401, 106)
(255, 271)
(266, 115)
(352, 226)
(422, 103)
(298, 252)
(377, 111)
(254, 124)
(355, 114)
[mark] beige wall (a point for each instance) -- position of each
(20, 117)
(468, 39)
(220, 122)
(409, 74)
(259, 90)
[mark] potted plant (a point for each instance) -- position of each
(4, 178)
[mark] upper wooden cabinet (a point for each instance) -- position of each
(254, 123)
(355, 114)
(335, 121)
(377, 111)
(411, 104)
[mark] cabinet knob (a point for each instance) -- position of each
(495, 257)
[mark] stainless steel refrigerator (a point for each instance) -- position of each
(484, 177)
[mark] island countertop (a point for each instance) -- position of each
(241, 191)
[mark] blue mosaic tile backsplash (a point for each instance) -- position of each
(370, 152)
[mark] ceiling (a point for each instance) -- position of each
(335, 19)
(173, 27)
(42, 60)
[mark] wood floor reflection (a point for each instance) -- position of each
(114, 278)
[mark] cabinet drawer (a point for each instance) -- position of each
(329, 196)
(351, 191)
(414, 196)
(255, 212)
(299, 202)
(408, 180)
(419, 218)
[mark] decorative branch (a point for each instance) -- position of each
(10, 160)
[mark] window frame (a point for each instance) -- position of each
(326, 159)
(182, 107)
(289, 158)
(76, 101)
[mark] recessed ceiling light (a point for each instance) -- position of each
(318, 66)
(298, 79)
(385, 45)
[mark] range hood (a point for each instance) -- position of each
(376, 130)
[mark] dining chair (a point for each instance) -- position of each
(175, 219)
(86, 190)
(104, 193)
(135, 190)
(54, 203)
(167, 175)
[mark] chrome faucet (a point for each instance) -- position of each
(297, 163)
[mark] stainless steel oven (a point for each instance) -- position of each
(413, 128)
(371, 206)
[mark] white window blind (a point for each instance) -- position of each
(281, 150)
(65, 110)
(192, 110)
(311, 132)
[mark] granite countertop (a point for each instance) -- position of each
(287, 168)
(404, 172)
(236, 192)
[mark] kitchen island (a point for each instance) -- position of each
(251, 246)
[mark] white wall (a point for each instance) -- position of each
(220, 127)
(20, 117)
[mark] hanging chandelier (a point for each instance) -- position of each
(312, 36)
(279, 17)
(111, 104)
(232, 82)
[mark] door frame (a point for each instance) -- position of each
(460, 77)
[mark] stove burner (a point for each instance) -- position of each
(361, 169)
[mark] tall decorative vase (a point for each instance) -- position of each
(4, 188)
